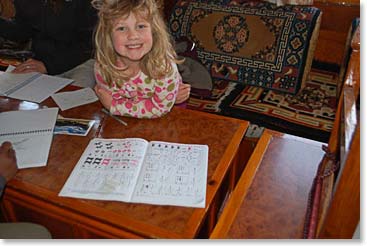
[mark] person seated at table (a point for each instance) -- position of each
(136, 64)
(8, 169)
(61, 33)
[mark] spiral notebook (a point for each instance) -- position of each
(30, 132)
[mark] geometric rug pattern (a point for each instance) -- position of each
(249, 42)
(310, 113)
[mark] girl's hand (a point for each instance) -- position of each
(104, 96)
(183, 93)
(31, 65)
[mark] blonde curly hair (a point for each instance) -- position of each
(156, 63)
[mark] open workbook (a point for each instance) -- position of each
(34, 87)
(30, 132)
(135, 170)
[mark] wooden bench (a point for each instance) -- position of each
(271, 197)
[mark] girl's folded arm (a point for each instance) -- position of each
(157, 104)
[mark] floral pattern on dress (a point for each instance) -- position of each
(141, 96)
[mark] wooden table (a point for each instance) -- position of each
(270, 199)
(32, 195)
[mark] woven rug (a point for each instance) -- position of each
(252, 43)
(308, 114)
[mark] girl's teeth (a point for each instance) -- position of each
(134, 46)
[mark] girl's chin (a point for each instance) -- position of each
(129, 59)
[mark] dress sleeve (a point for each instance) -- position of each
(148, 101)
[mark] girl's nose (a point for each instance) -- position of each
(132, 34)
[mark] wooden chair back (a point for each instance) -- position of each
(335, 202)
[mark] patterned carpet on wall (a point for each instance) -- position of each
(308, 114)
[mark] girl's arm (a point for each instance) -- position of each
(183, 93)
(152, 103)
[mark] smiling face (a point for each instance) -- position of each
(132, 38)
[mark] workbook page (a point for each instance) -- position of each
(40, 88)
(173, 174)
(107, 170)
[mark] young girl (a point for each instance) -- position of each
(135, 69)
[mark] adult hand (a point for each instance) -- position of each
(183, 93)
(104, 96)
(8, 161)
(31, 65)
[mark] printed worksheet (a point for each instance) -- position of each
(135, 170)
(173, 174)
(71, 99)
(107, 170)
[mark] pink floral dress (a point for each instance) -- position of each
(141, 96)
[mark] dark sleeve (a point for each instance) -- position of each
(81, 47)
(2, 185)
(16, 29)
(85, 26)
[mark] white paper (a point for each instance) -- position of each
(173, 174)
(30, 132)
(9, 81)
(128, 170)
(107, 170)
(72, 99)
(34, 87)
(10, 68)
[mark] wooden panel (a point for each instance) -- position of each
(339, 2)
(352, 80)
(334, 30)
(274, 203)
(60, 222)
(24, 210)
(231, 208)
(343, 215)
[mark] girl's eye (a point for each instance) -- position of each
(121, 28)
(141, 26)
